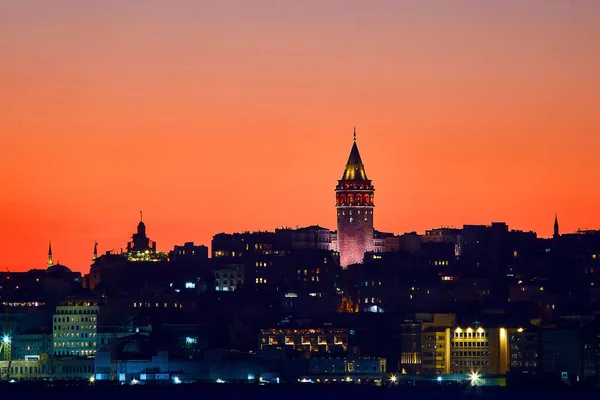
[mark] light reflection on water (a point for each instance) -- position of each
(288, 394)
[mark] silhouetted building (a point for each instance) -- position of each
(189, 253)
(562, 351)
(238, 244)
(141, 248)
(229, 277)
(384, 242)
(312, 237)
(409, 242)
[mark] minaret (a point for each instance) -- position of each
(556, 230)
(95, 251)
(50, 263)
(354, 203)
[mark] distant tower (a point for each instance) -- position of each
(95, 251)
(556, 230)
(50, 263)
(140, 241)
(354, 203)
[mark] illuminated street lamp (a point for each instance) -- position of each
(6, 347)
(393, 378)
(474, 378)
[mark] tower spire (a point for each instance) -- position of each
(95, 250)
(556, 227)
(355, 169)
(141, 215)
(50, 263)
(355, 134)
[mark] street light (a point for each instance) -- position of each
(393, 378)
(474, 378)
(6, 339)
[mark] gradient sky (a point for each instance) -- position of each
(215, 116)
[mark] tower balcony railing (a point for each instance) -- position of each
(362, 205)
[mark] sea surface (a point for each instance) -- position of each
(289, 394)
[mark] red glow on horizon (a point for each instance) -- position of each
(213, 118)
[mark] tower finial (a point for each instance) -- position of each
(141, 219)
(355, 134)
(95, 250)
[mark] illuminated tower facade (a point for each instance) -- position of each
(354, 203)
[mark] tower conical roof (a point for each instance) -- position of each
(355, 169)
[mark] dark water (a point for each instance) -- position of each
(289, 394)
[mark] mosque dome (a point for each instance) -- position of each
(58, 269)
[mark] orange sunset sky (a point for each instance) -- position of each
(222, 116)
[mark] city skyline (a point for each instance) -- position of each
(105, 117)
